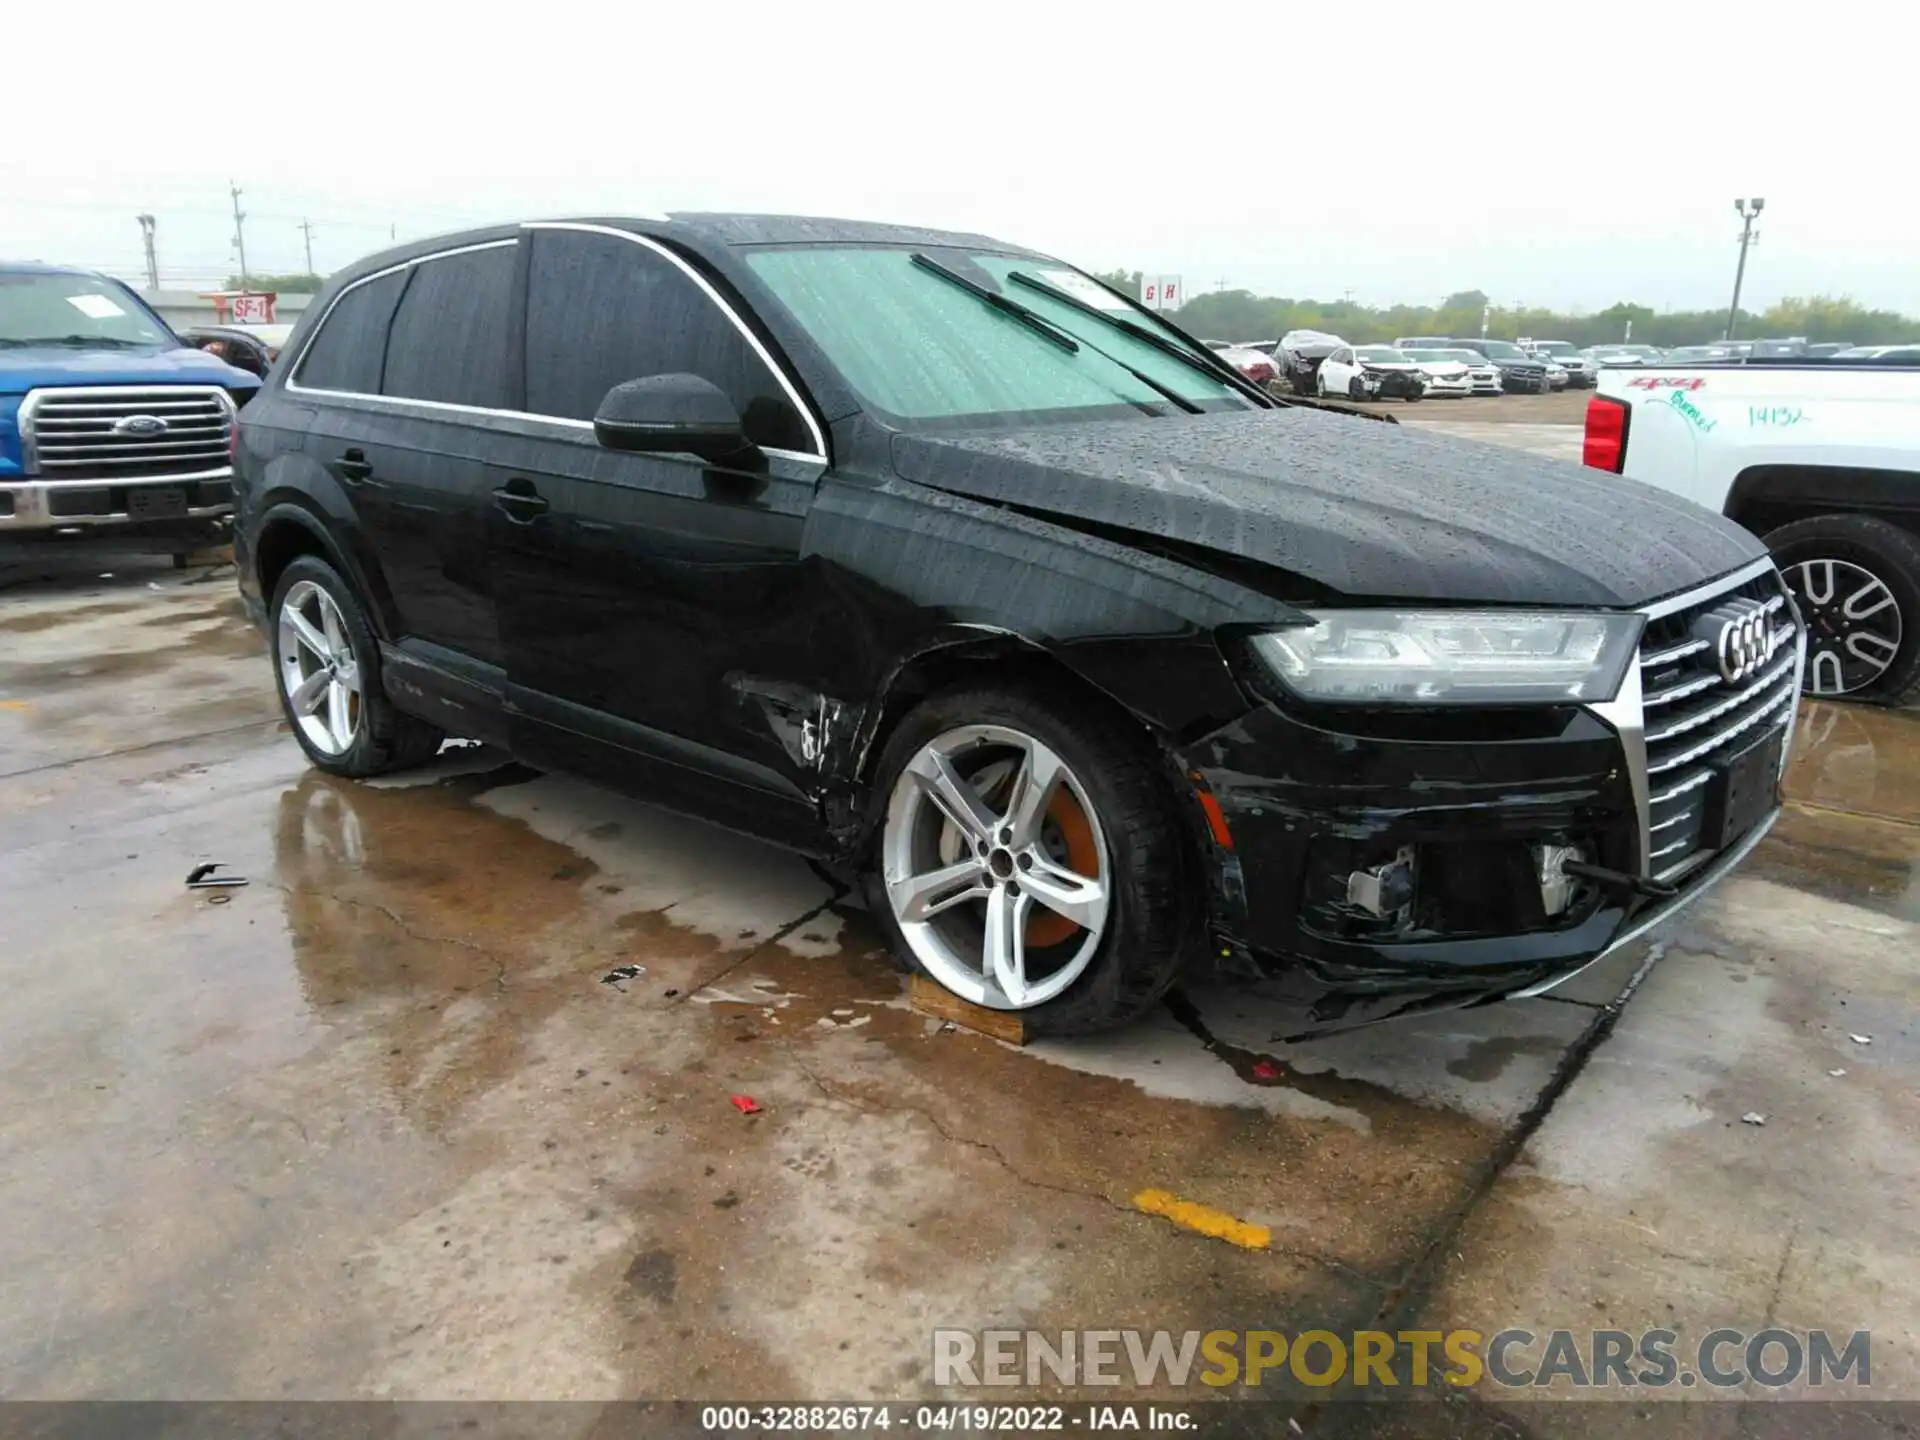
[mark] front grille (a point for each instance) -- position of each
(1694, 718)
(126, 432)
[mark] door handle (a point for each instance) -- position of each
(522, 505)
(354, 467)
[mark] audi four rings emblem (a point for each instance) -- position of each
(1741, 636)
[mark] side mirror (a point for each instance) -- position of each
(671, 414)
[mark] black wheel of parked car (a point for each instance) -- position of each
(1031, 859)
(1857, 582)
(1414, 397)
(1356, 390)
(328, 665)
(1320, 385)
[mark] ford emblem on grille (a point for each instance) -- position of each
(139, 425)
(1741, 637)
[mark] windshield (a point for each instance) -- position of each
(1467, 357)
(917, 347)
(1502, 350)
(77, 310)
(1381, 354)
(1555, 347)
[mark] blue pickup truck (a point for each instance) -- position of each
(110, 425)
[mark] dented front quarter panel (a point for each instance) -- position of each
(913, 573)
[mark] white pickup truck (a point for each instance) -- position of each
(1822, 461)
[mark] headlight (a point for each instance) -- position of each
(1461, 657)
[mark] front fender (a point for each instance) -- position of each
(934, 570)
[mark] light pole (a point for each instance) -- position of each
(1747, 237)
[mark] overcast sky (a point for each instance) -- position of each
(1570, 154)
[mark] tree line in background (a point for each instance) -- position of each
(279, 284)
(1242, 315)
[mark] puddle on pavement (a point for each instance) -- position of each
(1851, 830)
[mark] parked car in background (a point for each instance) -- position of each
(1482, 373)
(109, 425)
(1300, 356)
(1447, 374)
(1793, 349)
(1424, 342)
(1557, 376)
(1822, 462)
(1581, 372)
(1256, 365)
(1363, 372)
(1700, 354)
(1520, 373)
(1885, 354)
(1826, 349)
(252, 348)
(1617, 356)
(929, 557)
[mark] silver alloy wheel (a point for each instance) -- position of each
(1854, 625)
(975, 862)
(318, 673)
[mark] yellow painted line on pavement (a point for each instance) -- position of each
(1203, 1219)
(22, 706)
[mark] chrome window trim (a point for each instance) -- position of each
(786, 384)
(746, 333)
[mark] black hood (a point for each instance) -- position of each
(1362, 508)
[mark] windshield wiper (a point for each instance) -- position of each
(1040, 325)
(1205, 363)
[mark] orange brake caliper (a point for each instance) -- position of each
(1044, 927)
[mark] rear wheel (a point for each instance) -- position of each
(1857, 583)
(1031, 860)
(328, 665)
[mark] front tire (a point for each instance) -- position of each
(1031, 859)
(327, 663)
(1857, 583)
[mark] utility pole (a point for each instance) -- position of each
(1747, 237)
(239, 232)
(306, 234)
(146, 242)
(1486, 318)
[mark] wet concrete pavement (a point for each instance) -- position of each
(378, 1125)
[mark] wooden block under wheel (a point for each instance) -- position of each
(930, 999)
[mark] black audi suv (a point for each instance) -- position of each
(1082, 658)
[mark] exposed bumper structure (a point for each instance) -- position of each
(1394, 862)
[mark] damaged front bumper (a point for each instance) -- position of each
(1372, 863)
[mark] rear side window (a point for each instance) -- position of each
(345, 355)
(449, 339)
(602, 310)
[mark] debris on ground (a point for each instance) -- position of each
(1836, 1074)
(1861, 1039)
(219, 897)
(745, 1104)
(1753, 1117)
(1265, 1070)
(622, 972)
(201, 877)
